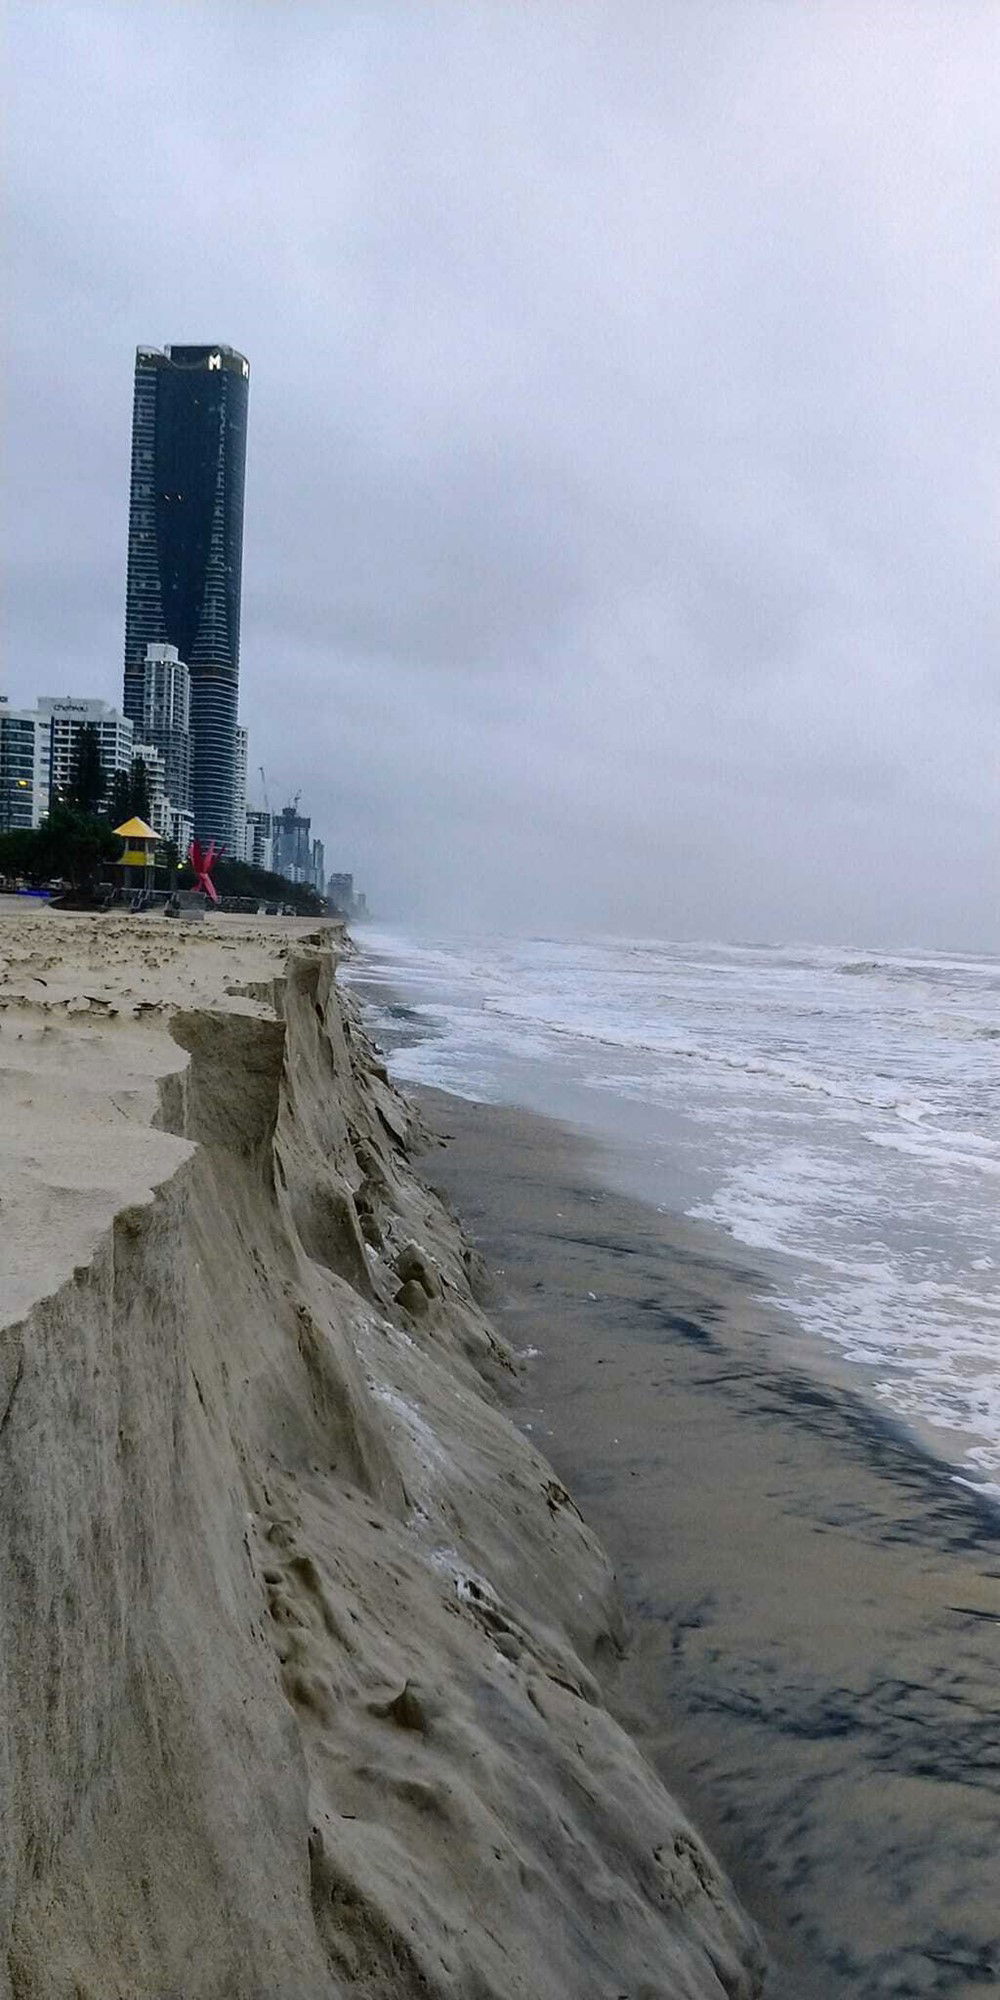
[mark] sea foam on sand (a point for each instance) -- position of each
(296, 1630)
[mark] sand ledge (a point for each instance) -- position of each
(297, 1629)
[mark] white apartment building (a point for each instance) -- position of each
(38, 749)
(259, 845)
(240, 793)
(181, 830)
(67, 715)
(25, 740)
(166, 717)
(159, 803)
(166, 690)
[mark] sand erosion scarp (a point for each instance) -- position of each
(296, 1630)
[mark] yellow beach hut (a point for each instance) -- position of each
(138, 860)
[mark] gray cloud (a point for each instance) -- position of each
(623, 433)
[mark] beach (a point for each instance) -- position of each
(300, 1636)
(813, 1599)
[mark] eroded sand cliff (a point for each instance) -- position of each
(296, 1630)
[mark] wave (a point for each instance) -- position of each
(944, 1149)
(814, 1100)
(643, 1040)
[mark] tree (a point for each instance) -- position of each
(130, 794)
(17, 851)
(120, 804)
(87, 784)
(240, 878)
(72, 845)
(140, 800)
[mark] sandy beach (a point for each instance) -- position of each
(814, 1602)
(299, 1635)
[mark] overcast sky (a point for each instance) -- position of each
(622, 479)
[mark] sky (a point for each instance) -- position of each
(621, 516)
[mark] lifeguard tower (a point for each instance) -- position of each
(138, 861)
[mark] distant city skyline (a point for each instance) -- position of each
(620, 481)
(182, 635)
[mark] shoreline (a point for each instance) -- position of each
(637, 1151)
(813, 1592)
(298, 1631)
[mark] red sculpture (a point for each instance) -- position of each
(203, 863)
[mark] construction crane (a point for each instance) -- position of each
(267, 803)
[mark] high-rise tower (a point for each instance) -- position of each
(185, 551)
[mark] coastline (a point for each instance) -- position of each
(815, 1120)
(813, 1596)
(299, 1634)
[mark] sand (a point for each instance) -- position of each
(814, 1602)
(299, 1635)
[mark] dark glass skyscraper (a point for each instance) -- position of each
(185, 551)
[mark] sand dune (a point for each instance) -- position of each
(296, 1630)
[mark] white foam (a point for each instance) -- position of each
(840, 1107)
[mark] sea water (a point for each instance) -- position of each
(836, 1109)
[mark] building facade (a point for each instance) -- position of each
(292, 846)
(38, 754)
(25, 745)
(340, 890)
(160, 802)
(259, 844)
(165, 719)
(65, 716)
(181, 831)
(239, 840)
(185, 553)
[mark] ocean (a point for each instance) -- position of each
(836, 1111)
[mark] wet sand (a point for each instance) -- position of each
(297, 1630)
(814, 1601)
